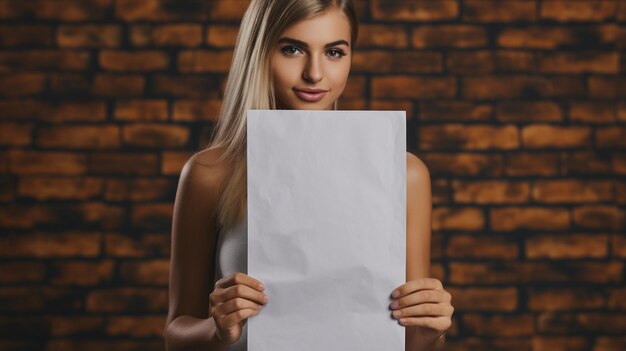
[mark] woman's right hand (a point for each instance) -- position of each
(235, 298)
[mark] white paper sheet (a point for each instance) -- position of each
(326, 228)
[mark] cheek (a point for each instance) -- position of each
(339, 74)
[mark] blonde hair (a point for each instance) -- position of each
(249, 86)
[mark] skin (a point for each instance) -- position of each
(422, 305)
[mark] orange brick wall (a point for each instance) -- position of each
(517, 107)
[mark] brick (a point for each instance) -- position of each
(602, 217)
(532, 164)
(203, 61)
(127, 300)
(173, 162)
(611, 137)
(155, 135)
(22, 272)
(352, 104)
(463, 164)
(529, 218)
(53, 111)
(75, 325)
(382, 36)
(163, 10)
(620, 193)
(486, 11)
(571, 191)
(413, 87)
(64, 188)
(470, 62)
(466, 218)
(152, 216)
(42, 245)
(140, 61)
(376, 61)
(196, 110)
(191, 86)
(140, 189)
(606, 86)
(20, 299)
(520, 112)
(514, 61)
(610, 343)
(221, 36)
(422, 11)
(46, 162)
(15, 134)
(7, 188)
(64, 84)
(73, 10)
(509, 272)
(26, 35)
(135, 326)
(127, 163)
(499, 325)
(490, 191)
(115, 85)
(141, 110)
(543, 136)
(554, 37)
(582, 322)
(513, 86)
(89, 36)
(78, 273)
(71, 60)
(570, 246)
(581, 10)
(147, 245)
(579, 62)
(593, 112)
(621, 111)
(356, 87)
(181, 35)
(79, 137)
(467, 137)
(482, 246)
(560, 343)
(565, 299)
(484, 299)
(98, 344)
(152, 272)
(22, 84)
(440, 191)
(454, 111)
(617, 299)
(449, 36)
(585, 163)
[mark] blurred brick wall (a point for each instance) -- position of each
(517, 107)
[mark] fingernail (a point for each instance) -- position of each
(262, 286)
(395, 293)
(394, 304)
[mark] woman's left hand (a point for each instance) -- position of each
(423, 303)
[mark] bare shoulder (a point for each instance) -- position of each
(416, 169)
(205, 169)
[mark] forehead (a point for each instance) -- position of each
(324, 28)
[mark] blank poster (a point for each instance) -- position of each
(326, 228)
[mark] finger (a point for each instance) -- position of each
(239, 278)
(235, 304)
(229, 320)
(421, 296)
(243, 291)
(424, 310)
(416, 285)
(440, 324)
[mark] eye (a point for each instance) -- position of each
(336, 53)
(289, 50)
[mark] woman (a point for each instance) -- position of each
(290, 54)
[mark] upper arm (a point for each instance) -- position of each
(193, 241)
(418, 218)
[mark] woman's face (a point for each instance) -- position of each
(314, 55)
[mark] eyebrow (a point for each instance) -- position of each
(301, 43)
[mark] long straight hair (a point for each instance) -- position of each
(249, 85)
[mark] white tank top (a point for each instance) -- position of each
(232, 256)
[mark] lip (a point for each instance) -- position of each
(310, 95)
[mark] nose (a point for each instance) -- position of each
(313, 71)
